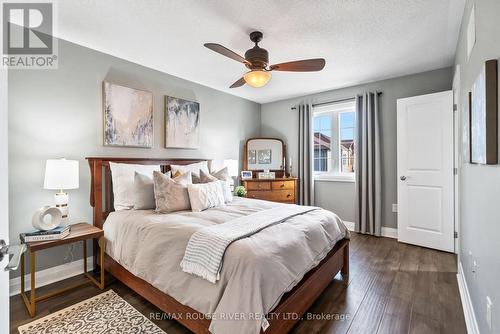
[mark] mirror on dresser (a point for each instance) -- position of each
(266, 159)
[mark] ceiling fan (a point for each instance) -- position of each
(257, 60)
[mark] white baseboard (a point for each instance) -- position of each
(51, 275)
(470, 316)
(388, 232)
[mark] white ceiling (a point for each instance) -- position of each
(361, 40)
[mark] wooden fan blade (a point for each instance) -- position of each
(307, 65)
(238, 83)
(226, 52)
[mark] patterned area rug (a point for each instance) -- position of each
(104, 313)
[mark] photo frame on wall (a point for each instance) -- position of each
(182, 123)
(483, 115)
(128, 116)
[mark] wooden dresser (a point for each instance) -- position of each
(283, 190)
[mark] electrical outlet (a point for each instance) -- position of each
(474, 269)
(489, 306)
(394, 208)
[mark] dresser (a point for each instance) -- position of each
(283, 190)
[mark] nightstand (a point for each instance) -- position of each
(79, 232)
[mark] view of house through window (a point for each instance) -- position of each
(334, 129)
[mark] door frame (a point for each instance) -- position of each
(457, 154)
(4, 198)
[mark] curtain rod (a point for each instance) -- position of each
(333, 101)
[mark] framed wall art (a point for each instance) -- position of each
(484, 116)
(182, 123)
(128, 116)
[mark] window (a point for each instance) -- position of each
(334, 151)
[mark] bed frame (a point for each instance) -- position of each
(295, 302)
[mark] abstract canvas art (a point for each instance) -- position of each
(182, 128)
(128, 116)
(264, 157)
(483, 116)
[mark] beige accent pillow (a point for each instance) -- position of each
(206, 177)
(171, 194)
(205, 195)
(223, 176)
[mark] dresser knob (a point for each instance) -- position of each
(282, 185)
(289, 195)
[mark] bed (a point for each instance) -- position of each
(263, 275)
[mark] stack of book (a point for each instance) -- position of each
(55, 234)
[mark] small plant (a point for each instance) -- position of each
(240, 191)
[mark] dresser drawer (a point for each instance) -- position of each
(275, 196)
(282, 185)
(258, 185)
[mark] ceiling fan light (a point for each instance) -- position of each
(257, 78)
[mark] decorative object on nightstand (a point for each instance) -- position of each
(61, 174)
(40, 221)
(79, 233)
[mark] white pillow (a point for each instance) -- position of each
(144, 193)
(122, 176)
(205, 195)
(171, 194)
(193, 168)
(226, 182)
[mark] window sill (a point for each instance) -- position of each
(335, 178)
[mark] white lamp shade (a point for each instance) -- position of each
(61, 174)
(232, 167)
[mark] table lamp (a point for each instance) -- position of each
(232, 169)
(61, 174)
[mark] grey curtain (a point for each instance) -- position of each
(368, 164)
(306, 149)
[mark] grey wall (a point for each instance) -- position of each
(58, 113)
(480, 184)
(279, 121)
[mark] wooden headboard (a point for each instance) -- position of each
(101, 187)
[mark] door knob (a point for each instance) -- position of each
(402, 178)
(16, 250)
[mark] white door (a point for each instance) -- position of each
(4, 207)
(425, 170)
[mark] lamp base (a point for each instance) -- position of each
(61, 199)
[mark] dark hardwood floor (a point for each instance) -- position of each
(392, 288)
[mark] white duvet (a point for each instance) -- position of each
(256, 271)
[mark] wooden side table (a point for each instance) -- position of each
(79, 232)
